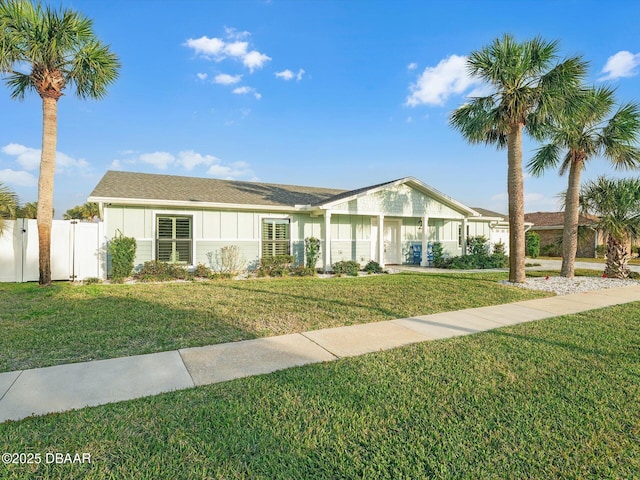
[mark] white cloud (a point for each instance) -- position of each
(236, 49)
(289, 75)
(436, 84)
(412, 66)
(218, 49)
(205, 46)
(622, 64)
(160, 160)
(190, 159)
(29, 158)
(254, 59)
(202, 76)
(115, 165)
(18, 178)
(226, 79)
(245, 90)
(231, 171)
(234, 34)
(285, 74)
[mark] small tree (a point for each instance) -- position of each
(312, 251)
(533, 244)
(123, 253)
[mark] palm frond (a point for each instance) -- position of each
(546, 157)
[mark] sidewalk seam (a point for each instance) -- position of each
(186, 368)
(321, 346)
(11, 386)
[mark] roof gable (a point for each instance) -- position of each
(405, 197)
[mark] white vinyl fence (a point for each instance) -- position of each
(77, 250)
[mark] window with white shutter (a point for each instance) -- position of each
(174, 239)
(275, 237)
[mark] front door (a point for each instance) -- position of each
(391, 242)
(391, 238)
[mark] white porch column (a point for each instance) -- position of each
(425, 240)
(464, 236)
(381, 240)
(327, 241)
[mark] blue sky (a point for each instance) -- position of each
(324, 93)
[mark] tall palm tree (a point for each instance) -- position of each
(617, 203)
(528, 89)
(8, 205)
(585, 131)
(45, 50)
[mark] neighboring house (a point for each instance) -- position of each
(188, 220)
(550, 226)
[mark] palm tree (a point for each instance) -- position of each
(29, 210)
(587, 130)
(8, 205)
(528, 90)
(88, 211)
(617, 203)
(45, 50)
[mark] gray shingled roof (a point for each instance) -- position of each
(489, 213)
(146, 186)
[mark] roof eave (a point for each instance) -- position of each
(194, 204)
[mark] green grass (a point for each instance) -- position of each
(553, 399)
(68, 323)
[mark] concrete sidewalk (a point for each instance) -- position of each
(66, 387)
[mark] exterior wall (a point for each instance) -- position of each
(351, 234)
(399, 201)
(586, 244)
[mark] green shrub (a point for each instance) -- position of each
(278, 266)
(346, 267)
(601, 250)
(634, 275)
(156, 271)
(91, 281)
(472, 262)
(373, 267)
(551, 250)
(123, 253)
(312, 251)
(478, 245)
(499, 249)
(302, 271)
(532, 244)
(202, 271)
(438, 255)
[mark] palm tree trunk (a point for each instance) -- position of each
(515, 190)
(45, 185)
(617, 258)
(571, 220)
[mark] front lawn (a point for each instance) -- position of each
(552, 399)
(67, 323)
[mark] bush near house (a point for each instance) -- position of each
(532, 244)
(156, 271)
(277, 266)
(123, 253)
(346, 267)
(478, 257)
(373, 267)
(312, 251)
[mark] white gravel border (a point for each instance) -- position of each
(566, 286)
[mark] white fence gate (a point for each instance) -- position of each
(77, 250)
